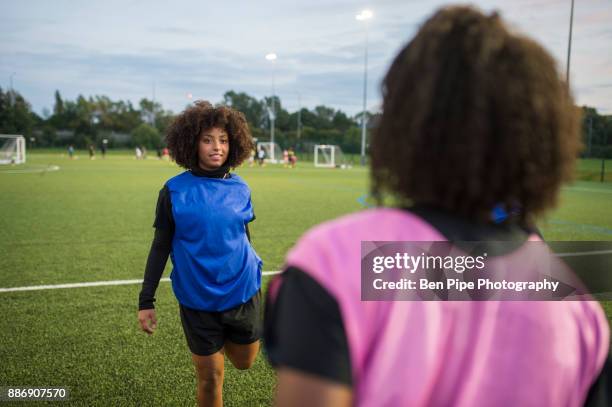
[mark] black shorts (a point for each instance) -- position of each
(206, 332)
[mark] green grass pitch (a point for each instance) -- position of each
(92, 221)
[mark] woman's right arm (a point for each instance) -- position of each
(156, 262)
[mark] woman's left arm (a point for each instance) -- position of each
(295, 388)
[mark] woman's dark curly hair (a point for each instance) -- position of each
(474, 116)
(184, 133)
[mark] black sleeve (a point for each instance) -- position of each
(160, 250)
(600, 393)
(163, 211)
(303, 329)
(246, 225)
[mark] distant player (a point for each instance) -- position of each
(261, 156)
(71, 151)
(138, 153)
(92, 152)
(252, 157)
(202, 221)
(474, 117)
(292, 158)
(103, 148)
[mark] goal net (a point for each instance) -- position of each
(12, 149)
(272, 151)
(329, 156)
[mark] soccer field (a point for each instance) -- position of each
(92, 221)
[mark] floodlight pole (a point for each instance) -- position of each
(272, 57)
(273, 109)
(364, 16)
(569, 45)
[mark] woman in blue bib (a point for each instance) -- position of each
(202, 222)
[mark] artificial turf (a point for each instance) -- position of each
(92, 221)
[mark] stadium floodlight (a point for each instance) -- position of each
(12, 149)
(365, 15)
(272, 58)
(328, 156)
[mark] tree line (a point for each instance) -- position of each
(90, 120)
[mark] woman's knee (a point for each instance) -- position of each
(209, 372)
(210, 381)
(243, 364)
(242, 356)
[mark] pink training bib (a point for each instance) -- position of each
(450, 353)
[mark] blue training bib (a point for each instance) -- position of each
(215, 266)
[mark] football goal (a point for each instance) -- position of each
(328, 156)
(273, 153)
(12, 149)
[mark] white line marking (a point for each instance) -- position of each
(580, 189)
(40, 168)
(94, 284)
(591, 253)
(166, 279)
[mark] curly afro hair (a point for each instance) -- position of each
(474, 116)
(184, 133)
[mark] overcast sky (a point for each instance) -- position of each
(128, 49)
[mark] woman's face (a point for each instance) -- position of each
(213, 148)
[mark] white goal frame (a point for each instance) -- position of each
(273, 151)
(332, 153)
(12, 149)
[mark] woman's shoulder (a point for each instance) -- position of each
(178, 178)
(237, 180)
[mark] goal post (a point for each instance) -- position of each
(328, 156)
(12, 149)
(272, 151)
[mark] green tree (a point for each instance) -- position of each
(146, 135)
(58, 108)
(16, 116)
(324, 117)
(342, 122)
(253, 109)
(596, 133)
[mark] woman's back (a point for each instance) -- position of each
(450, 352)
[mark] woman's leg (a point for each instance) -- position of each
(209, 375)
(241, 356)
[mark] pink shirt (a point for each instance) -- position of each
(450, 353)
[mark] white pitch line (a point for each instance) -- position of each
(579, 189)
(591, 253)
(166, 279)
(49, 168)
(94, 284)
